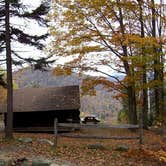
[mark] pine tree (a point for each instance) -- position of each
(9, 125)
(9, 8)
(17, 9)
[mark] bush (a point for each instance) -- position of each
(122, 116)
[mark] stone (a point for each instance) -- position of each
(25, 163)
(2, 163)
(96, 146)
(25, 140)
(46, 141)
(122, 148)
(10, 162)
(53, 164)
(41, 162)
(21, 162)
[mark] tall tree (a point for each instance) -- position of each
(9, 127)
(161, 27)
(102, 28)
(114, 34)
(10, 32)
(144, 75)
(158, 23)
(156, 61)
(18, 33)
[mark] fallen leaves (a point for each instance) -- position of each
(77, 151)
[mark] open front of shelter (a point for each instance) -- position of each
(38, 107)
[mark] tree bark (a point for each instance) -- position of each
(9, 126)
(132, 113)
(144, 76)
(162, 112)
(156, 63)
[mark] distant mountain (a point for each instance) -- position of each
(30, 78)
(104, 105)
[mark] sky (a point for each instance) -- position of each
(32, 3)
(30, 27)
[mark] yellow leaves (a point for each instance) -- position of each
(75, 41)
(129, 80)
(162, 159)
(135, 40)
(70, 16)
(59, 70)
(87, 49)
(89, 84)
(95, 26)
(3, 94)
(98, 3)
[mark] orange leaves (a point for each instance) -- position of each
(120, 96)
(158, 155)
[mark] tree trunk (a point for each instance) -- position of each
(9, 126)
(156, 62)
(162, 112)
(132, 112)
(144, 76)
(145, 102)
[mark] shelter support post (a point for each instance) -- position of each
(140, 128)
(55, 132)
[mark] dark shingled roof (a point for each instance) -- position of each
(45, 99)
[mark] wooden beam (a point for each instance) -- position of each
(98, 137)
(76, 125)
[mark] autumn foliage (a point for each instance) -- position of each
(115, 36)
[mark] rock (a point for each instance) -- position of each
(122, 148)
(10, 162)
(2, 163)
(21, 161)
(41, 162)
(54, 164)
(46, 141)
(25, 163)
(25, 140)
(96, 146)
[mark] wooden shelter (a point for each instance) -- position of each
(38, 107)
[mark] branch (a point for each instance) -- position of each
(111, 77)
